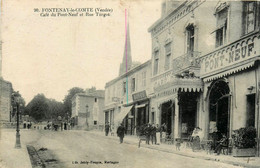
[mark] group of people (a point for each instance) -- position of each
(152, 133)
(120, 131)
(27, 125)
(109, 128)
(219, 140)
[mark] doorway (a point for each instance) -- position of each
(166, 116)
(219, 107)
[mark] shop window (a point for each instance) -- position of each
(167, 56)
(249, 16)
(190, 38)
(156, 62)
(221, 30)
(251, 110)
(133, 84)
(95, 122)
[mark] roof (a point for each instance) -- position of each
(97, 93)
(128, 73)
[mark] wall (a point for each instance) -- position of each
(239, 98)
(5, 100)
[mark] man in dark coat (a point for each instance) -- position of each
(121, 133)
(107, 128)
(148, 130)
(153, 134)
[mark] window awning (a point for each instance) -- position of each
(140, 106)
(182, 84)
(124, 111)
(229, 72)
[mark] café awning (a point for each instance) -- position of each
(124, 111)
(231, 71)
(182, 84)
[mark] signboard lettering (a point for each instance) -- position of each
(226, 58)
(139, 95)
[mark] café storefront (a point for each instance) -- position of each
(141, 110)
(231, 77)
(178, 102)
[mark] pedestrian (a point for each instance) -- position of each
(148, 130)
(65, 126)
(163, 131)
(157, 138)
(153, 134)
(61, 126)
(28, 125)
(220, 144)
(121, 132)
(107, 128)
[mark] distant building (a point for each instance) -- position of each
(87, 109)
(127, 97)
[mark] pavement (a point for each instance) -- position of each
(9, 155)
(18, 158)
(251, 162)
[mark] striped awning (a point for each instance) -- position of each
(120, 116)
(182, 84)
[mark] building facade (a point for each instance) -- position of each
(87, 110)
(5, 101)
(127, 99)
(6, 90)
(205, 67)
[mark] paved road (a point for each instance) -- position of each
(72, 147)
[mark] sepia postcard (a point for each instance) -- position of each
(129, 84)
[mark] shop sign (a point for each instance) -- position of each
(139, 96)
(230, 55)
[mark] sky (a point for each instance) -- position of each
(50, 55)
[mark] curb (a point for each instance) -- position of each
(234, 163)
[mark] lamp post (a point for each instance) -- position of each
(87, 116)
(17, 104)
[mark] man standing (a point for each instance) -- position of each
(121, 132)
(153, 134)
(107, 128)
(148, 133)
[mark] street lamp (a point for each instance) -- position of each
(87, 115)
(17, 104)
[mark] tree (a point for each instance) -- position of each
(21, 103)
(67, 100)
(55, 109)
(38, 107)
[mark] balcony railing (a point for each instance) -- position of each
(185, 61)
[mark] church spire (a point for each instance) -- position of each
(127, 58)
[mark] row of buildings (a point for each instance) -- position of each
(204, 71)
